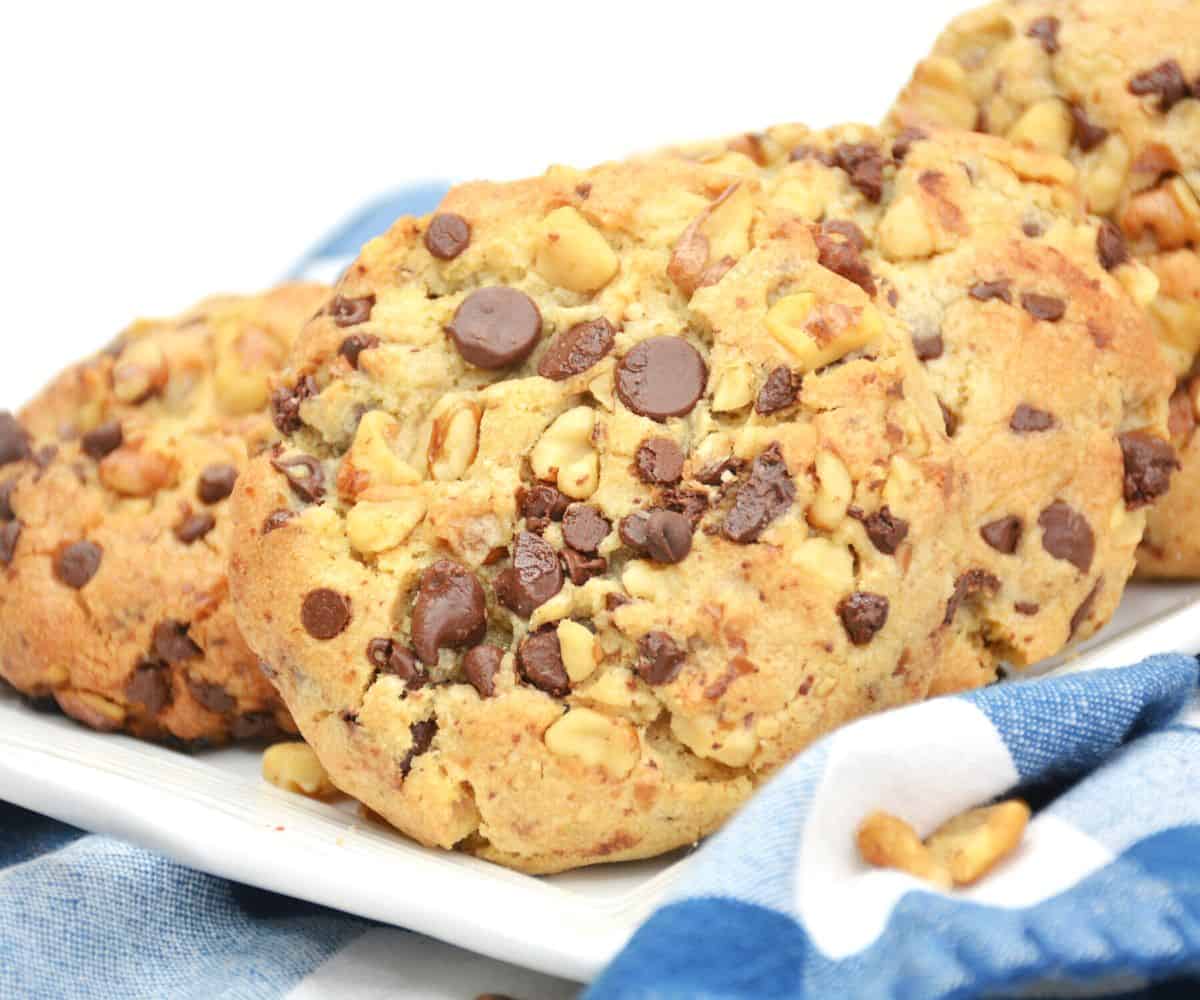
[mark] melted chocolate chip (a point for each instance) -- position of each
(864, 163)
(216, 483)
(150, 686)
(540, 505)
(276, 519)
(448, 235)
(780, 390)
(972, 584)
(985, 291)
(1043, 307)
(579, 567)
(389, 657)
(77, 563)
(10, 534)
(285, 404)
(325, 613)
(885, 530)
(6, 491)
(212, 696)
(495, 327)
(1088, 135)
(1166, 80)
(767, 493)
(843, 257)
(1149, 462)
(632, 529)
(1085, 608)
(1003, 534)
(659, 461)
(862, 614)
(714, 474)
(1028, 419)
(905, 141)
(668, 536)
(539, 660)
(351, 312)
(480, 666)
(14, 441)
(534, 577)
(1110, 246)
(171, 643)
(584, 527)
(102, 440)
(660, 658)
(355, 344)
(1045, 30)
(661, 377)
(1067, 535)
(577, 349)
(304, 475)
(450, 610)
(692, 504)
(255, 727)
(194, 527)
(929, 347)
(422, 734)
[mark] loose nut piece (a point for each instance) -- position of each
(453, 441)
(886, 841)
(140, 372)
(572, 254)
(564, 454)
(295, 768)
(1046, 126)
(596, 739)
(131, 472)
(818, 335)
(834, 490)
(579, 649)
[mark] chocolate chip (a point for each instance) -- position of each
(450, 610)
(1032, 228)
(150, 686)
(767, 493)
(480, 666)
(539, 660)
(285, 404)
(102, 440)
(949, 419)
(1026, 607)
(780, 390)
(1166, 80)
(194, 527)
(304, 475)
(77, 563)
(579, 567)
(864, 163)
(355, 344)
(660, 658)
(1045, 30)
(929, 347)
(1149, 462)
(661, 377)
(255, 727)
(843, 257)
(632, 529)
(668, 536)
(276, 519)
(714, 474)
(970, 585)
(575, 350)
(905, 141)
(584, 527)
(10, 534)
(325, 613)
(1088, 135)
(6, 491)
(533, 578)
(1110, 246)
(540, 505)
(448, 235)
(495, 327)
(14, 441)
(422, 734)
(1003, 534)
(659, 461)
(212, 696)
(351, 312)
(171, 643)
(216, 483)
(985, 291)
(862, 614)
(1044, 307)
(1085, 608)
(390, 657)
(1067, 535)
(885, 530)
(1027, 419)
(692, 504)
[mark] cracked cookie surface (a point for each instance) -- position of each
(1119, 95)
(114, 525)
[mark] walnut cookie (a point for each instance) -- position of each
(1117, 91)
(601, 497)
(114, 525)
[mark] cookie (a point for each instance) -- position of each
(1053, 390)
(601, 496)
(1116, 92)
(115, 526)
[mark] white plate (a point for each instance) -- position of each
(213, 812)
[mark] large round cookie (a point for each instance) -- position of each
(602, 496)
(1053, 390)
(114, 524)
(1114, 87)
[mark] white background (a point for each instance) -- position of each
(154, 153)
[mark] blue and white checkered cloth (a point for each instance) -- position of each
(1102, 897)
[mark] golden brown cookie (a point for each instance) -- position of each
(1114, 88)
(115, 527)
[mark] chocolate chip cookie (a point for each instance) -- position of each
(114, 524)
(1116, 90)
(601, 495)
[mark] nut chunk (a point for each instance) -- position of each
(295, 768)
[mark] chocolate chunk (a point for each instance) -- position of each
(194, 527)
(390, 657)
(1149, 462)
(949, 419)
(285, 404)
(495, 327)
(1003, 534)
(150, 686)
(355, 344)
(660, 658)
(1166, 80)
(540, 505)
(1027, 419)
(767, 493)
(6, 491)
(780, 390)
(584, 527)
(14, 441)
(10, 534)
(661, 377)
(171, 643)
(659, 461)
(255, 727)
(1088, 135)
(692, 504)
(480, 666)
(102, 440)
(1026, 608)
(276, 519)
(843, 257)
(668, 536)
(929, 347)
(885, 530)
(969, 586)
(864, 163)
(1044, 307)
(450, 610)
(1045, 30)
(304, 475)
(632, 529)
(216, 483)
(714, 474)
(862, 614)
(985, 291)
(1110, 246)
(1085, 608)
(212, 696)
(448, 235)
(77, 563)
(539, 660)
(577, 349)
(579, 567)
(422, 734)
(904, 142)
(1067, 535)
(533, 578)
(351, 312)
(325, 613)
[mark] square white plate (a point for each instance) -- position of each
(212, 811)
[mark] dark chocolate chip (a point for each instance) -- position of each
(577, 349)
(255, 727)
(1045, 30)
(1166, 80)
(355, 344)
(540, 505)
(632, 529)
(579, 567)
(1149, 462)
(660, 658)
(480, 666)
(285, 404)
(10, 534)
(448, 235)
(422, 734)
(450, 610)
(150, 686)
(780, 389)
(390, 657)
(1067, 535)
(212, 696)
(668, 536)
(539, 660)
(1026, 608)
(885, 530)
(276, 519)
(1028, 419)
(767, 492)
(1110, 246)
(325, 613)
(171, 643)
(714, 474)
(14, 440)
(661, 377)
(862, 614)
(972, 584)
(351, 312)
(304, 475)
(6, 491)
(77, 563)
(1043, 307)
(534, 577)
(1088, 135)
(1032, 228)
(216, 483)
(843, 257)
(495, 327)
(864, 163)
(194, 527)
(659, 461)
(692, 504)
(929, 347)
(985, 291)
(905, 141)
(1003, 534)
(1085, 607)
(102, 440)
(584, 527)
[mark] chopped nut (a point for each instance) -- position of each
(564, 454)
(140, 371)
(818, 335)
(940, 91)
(131, 472)
(91, 709)
(597, 740)
(886, 841)
(735, 388)
(826, 561)
(834, 490)
(579, 649)
(1102, 174)
(904, 232)
(1046, 126)
(572, 254)
(377, 526)
(295, 768)
(1169, 212)
(970, 845)
(733, 746)
(371, 460)
(453, 440)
